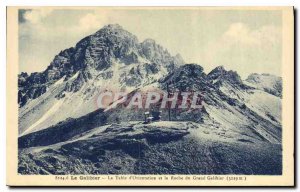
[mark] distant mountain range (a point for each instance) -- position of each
(269, 83)
(57, 112)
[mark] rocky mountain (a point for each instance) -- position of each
(62, 131)
(269, 83)
(111, 58)
(111, 46)
(219, 75)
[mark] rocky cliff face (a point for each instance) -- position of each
(111, 58)
(110, 47)
(219, 75)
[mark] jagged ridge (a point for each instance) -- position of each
(96, 52)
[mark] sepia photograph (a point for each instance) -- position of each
(152, 96)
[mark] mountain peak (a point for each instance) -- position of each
(220, 74)
(267, 82)
(114, 32)
(187, 77)
(256, 77)
(149, 41)
(218, 69)
(112, 27)
(92, 55)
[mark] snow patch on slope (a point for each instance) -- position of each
(45, 116)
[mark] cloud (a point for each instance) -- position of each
(246, 50)
(241, 33)
(35, 16)
(45, 32)
(89, 21)
(243, 46)
(37, 29)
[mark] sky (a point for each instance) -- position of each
(246, 41)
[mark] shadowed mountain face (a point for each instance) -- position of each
(155, 148)
(62, 131)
